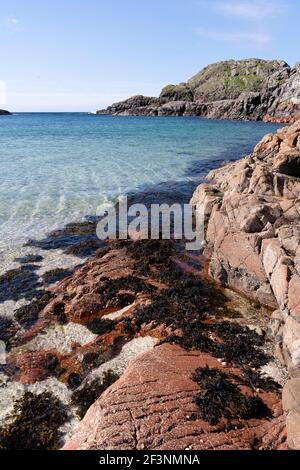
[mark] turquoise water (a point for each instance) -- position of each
(57, 168)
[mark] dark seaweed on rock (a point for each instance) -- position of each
(19, 283)
(240, 345)
(34, 423)
(84, 398)
(27, 315)
(236, 344)
(111, 295)
(255, 380)
(220, 398)
(84, 248)
(55, 275)
(183, 301)
(8, 329)
(149, 253)
(101, 326)
(186, 304)
(128, 326)
(28, 259)
(78, 239)
(52, 366)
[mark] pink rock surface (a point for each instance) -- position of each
(252, 233)
(151, 405)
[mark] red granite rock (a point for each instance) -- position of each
(252, 233)
(151, 407)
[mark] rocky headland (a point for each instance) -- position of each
(4, 113)
(251, 89)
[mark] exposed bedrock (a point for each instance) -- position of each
(252, 240)
(152, 407)
(251, 89)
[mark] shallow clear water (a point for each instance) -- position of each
(57, 168)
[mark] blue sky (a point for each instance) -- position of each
(81, 55)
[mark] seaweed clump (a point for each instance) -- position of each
(184, 301)
(240, 345)
(84, 398)
(234, 343)
(29, 259)
(254, 380)
(221, 398)
(27, 315)
(55, 275)
(101, 326)
(151, 254)
(34, 423)
(19, 283)
(121, 292)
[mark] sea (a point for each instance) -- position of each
(57, 168)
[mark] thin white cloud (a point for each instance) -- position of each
(13, 25)
(249, 10)
(252, 37)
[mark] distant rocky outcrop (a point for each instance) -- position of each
(4, 113)
(252, 236)
(251, 89)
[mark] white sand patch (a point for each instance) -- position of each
(60, 338)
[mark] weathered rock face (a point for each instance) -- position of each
(252, 233)
(251, 89)
(4, 113)
(151, 407)
(286, 106)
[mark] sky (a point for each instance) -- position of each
(82, 55)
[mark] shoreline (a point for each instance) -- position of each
(52, 322)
